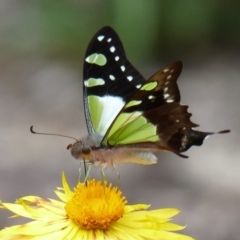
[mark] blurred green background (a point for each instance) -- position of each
(149, 29)
(42, 46)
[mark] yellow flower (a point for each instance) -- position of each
(93, 211)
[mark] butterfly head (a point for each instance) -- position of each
(80, 150)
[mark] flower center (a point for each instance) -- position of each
(95, 206)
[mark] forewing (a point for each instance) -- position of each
(109, 80)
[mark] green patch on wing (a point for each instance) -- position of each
(96, 58)
(96, 108)
(149, 86)
(93, 82)
(130, 128)
(133, 103)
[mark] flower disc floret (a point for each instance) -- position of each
(95, 205)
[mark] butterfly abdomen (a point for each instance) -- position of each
(109, 156)
(90, 150)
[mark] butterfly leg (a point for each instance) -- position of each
(103, 176)
(118, 173)
(80, 171)
(104, 182)
(87, 176)
(85, 170)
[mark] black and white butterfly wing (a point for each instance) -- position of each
(109, 80)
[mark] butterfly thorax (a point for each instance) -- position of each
(90, 150)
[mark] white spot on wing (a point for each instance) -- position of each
(169, 76)
(165, 70)
(110, 106)
(151, 97)
(166, 95)
(109, 40)
(112, 77)
(130, 78)
(123, 68)
(112, 49)
(100, 38)
(138, 86)
(169, 100)
(165, 89)
(116, 58)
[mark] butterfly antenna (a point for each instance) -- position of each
(51, 134)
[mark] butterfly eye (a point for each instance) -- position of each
(86, 150)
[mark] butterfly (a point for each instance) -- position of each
(128, 118)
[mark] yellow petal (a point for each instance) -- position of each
(66, 187)
(131, 208)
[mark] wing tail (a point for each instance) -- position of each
(181, 142)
